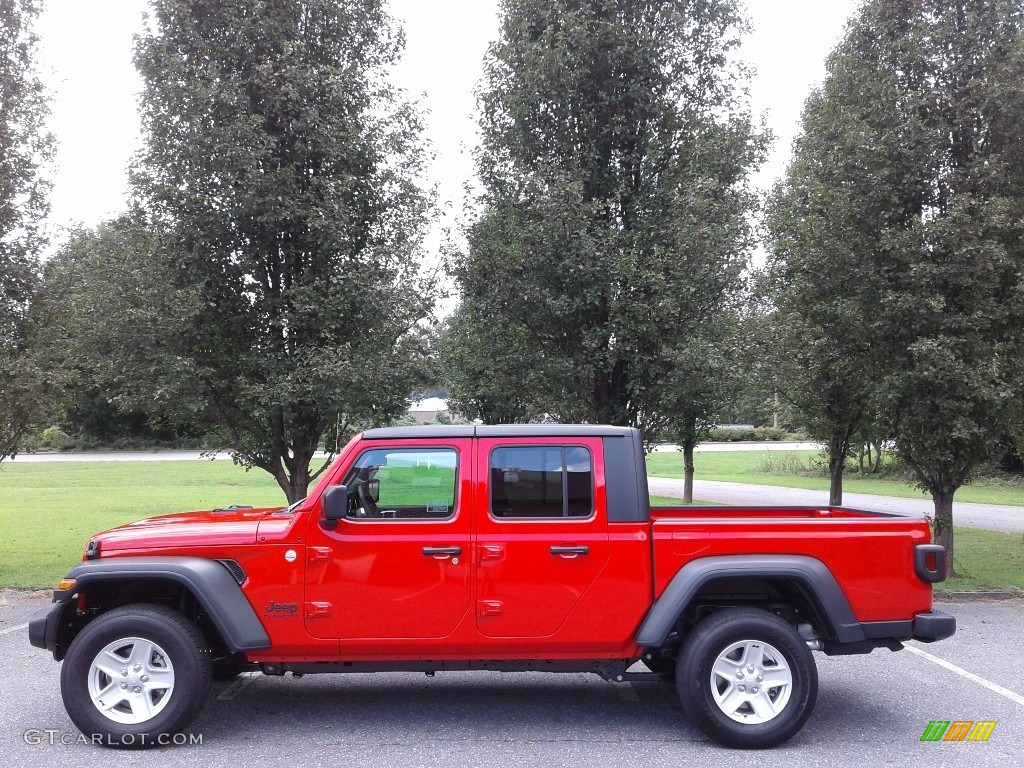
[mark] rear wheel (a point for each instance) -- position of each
(136, 676)
(746, 678)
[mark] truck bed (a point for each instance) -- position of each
(871, 554)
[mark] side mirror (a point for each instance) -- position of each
(335, 505)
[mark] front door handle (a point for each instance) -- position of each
(556, 550)
(433, 551)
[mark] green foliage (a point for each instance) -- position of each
(742, 434)
(108, 304)
(282, 201)
(54, 437)
(25, 149)
(817, 341)
(612, 227)
(953, 313)
(898, 235)
(493, 371)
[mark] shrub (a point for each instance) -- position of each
(773, 464)
(54, 438)
(737, 434)
(730, 434)
(770, 433)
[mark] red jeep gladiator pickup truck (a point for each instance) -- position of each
(527, 547)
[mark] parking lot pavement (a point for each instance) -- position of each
(871, 710)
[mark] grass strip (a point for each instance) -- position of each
(985, 560)
(49, 510)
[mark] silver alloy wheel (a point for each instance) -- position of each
(131, 680)
(751, 682)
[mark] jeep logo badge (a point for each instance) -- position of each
(283, 610)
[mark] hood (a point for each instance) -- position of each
(217, 527)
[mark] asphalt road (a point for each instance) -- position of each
(872, 710)
(993, 517)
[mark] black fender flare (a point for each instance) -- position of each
(209, 581)
(813, 576)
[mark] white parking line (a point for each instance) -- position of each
(1006, 692)
(12, 629)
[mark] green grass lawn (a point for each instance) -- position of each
(795, 469)
(49, 510)
(671, 501)
(986, 560)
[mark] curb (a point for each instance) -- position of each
(986, 594)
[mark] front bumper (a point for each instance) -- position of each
(44, 628)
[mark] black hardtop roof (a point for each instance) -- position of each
(500, 430)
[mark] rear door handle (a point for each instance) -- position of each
(570, 550)
(432, 551)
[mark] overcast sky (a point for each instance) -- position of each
(86, 58)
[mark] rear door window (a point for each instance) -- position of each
(544, 481)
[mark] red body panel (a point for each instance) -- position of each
(230, 528)
(366, 590)
(369, 580)
(871, 556)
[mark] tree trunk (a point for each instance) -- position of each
(292, 474)
(944, 526)
(836, 464)
(688, 447)
(877, 466)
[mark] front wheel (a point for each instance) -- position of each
(136, 676)
(746, 678)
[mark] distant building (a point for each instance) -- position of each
(425, 411)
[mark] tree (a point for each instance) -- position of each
(108, 310)
(920, 173)
(492, 375)
(612, 223)
(281, 175)
(25, 148)
(954, 307)
(824, 280)
(706, 377)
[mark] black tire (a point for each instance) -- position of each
(159, 676)
(744, 712)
